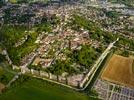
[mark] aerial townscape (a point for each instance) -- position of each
(66, 49)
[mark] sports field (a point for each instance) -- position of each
(41, 90)
(119, 70)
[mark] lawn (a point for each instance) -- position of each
(35, 89)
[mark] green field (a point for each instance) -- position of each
(35, 89)
(6, 74)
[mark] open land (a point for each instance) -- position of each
(119, 70)
(39, 90)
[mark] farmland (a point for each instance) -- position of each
(133, 67)
(119, 70)
(35, 89)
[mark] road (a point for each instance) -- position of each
(24, 67)
(92, 72)
(4, 52)
(13, 79)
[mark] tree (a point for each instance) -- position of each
(2, 58)
(1, 3)
(85, 56)
(22, 1)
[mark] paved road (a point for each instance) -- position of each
(91, 73)
(96, 66)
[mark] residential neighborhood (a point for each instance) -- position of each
(75, 44)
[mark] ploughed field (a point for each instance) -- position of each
(35, 89)
(119, 70)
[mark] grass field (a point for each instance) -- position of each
(35, 89)
(119, 70)
(5, 76)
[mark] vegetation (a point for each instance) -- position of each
(129, 3)
(133, 67)
(96, 33)
(98, 73)
(17, 18)
(44, 27)
(36, 89)
(2, 58)
(5, 76)
(36, 67)
(117, 89)
(13, 1)
(22, 1)
(60, 67)
(93, 92)
(11, 34)
(125, 53)
(1, 3)
(47, 23)
(25, 1)
(112, 14)
(125, 42)
(86, 56)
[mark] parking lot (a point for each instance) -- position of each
(111, 91)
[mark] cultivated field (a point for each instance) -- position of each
(119, 70)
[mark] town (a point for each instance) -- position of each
(70, 43)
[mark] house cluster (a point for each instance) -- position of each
(121, 24)
(62, 37)
(51, 44)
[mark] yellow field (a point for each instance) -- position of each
(119, 70)
(2, 86)
(13, 1)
